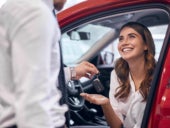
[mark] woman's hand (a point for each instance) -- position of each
(95, 98)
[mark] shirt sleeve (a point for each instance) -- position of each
(32, 34)
(67, 74)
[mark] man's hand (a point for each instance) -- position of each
(85, 69)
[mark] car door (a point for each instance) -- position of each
(90, 33)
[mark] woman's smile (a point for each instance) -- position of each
(127, 49)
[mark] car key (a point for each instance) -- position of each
(97, 84)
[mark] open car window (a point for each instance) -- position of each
(99, 36)
(79, 41)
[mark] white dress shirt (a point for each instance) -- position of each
(29, 65)
(130, 111)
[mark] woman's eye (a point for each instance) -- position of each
(132, 36)
(120, 39)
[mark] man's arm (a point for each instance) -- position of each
(84, 69)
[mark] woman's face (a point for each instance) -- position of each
(131, 45)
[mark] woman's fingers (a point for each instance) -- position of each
(95, 98)
(88, 97)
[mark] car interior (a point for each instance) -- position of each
(94, 38)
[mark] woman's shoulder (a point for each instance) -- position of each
(113, 73)
(114, 83)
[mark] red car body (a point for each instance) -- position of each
(92, 6)
(159, 112)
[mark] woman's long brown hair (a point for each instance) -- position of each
(122, 67)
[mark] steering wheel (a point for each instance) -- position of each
(75, 101)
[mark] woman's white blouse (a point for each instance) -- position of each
(130, 111)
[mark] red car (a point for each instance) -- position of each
(90, 31)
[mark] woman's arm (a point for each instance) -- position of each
(111, 117)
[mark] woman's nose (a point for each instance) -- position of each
(125, 41)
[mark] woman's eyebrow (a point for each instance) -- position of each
(133, 34)
(121, 36)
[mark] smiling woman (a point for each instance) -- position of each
(137, 51)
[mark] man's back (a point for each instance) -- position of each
(29, 64)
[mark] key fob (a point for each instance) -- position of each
(98, 85)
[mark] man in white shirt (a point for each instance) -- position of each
(30, 64)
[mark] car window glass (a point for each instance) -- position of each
(99, 36)
(75, 43)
